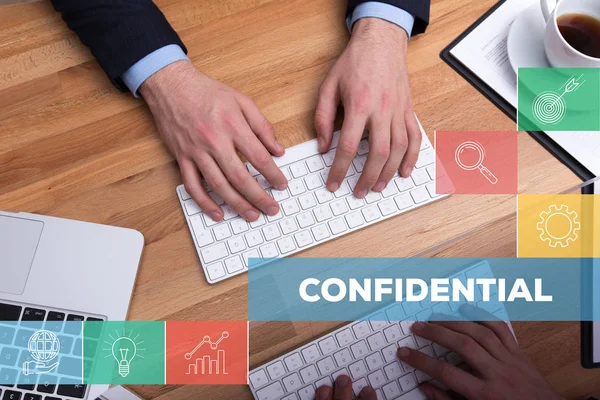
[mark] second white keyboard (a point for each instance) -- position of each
(309, 215)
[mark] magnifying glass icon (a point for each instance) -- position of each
(469, 156)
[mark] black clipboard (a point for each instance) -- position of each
(582, 172)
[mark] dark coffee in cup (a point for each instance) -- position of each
(582, 32)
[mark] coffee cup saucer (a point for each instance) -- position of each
(526, 40)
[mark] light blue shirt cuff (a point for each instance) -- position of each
(375, 9)
(150, 64)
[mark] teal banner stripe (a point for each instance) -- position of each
(353, 289)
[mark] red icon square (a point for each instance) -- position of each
(476, 162)
(207, 352)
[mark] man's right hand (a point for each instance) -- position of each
(204, 123)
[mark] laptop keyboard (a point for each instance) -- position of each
(14, 351)
(309, 215)
(366, 351)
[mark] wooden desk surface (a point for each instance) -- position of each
(72, 146)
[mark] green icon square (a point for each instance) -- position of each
(559, 99)
(124, 352)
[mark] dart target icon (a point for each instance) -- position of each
(549, 108)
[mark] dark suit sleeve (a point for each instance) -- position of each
(418, 8)
(118, 32)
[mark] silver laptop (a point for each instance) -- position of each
(54, 270)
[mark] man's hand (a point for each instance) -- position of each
(500, 370)
(371, 80)
(342, 390)
(204, 123)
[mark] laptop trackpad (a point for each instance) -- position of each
(19, 239)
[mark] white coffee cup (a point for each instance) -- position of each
(559, 52)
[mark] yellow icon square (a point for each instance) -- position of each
(555, 226)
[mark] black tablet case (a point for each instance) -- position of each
(582, 172)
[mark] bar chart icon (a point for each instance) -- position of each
(206, 364)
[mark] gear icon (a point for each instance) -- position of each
(558, 226)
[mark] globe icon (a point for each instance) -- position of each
(43, 346)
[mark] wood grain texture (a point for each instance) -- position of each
(72, 146)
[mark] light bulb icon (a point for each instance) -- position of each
(124, 347)
(124, 351)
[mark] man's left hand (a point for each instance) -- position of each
(370, 79)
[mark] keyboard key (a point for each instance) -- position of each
(359, 349)
(343, 190)
(208, 221)
(258, 378)
(309, 374)
(290, 207)
(296, 187)
(408, 382)
(214, 253)
(361, 329)
(326, 366)
(286, 172)
(271, 232)
(338, 207)
(408, 341)
(393, 370)
(307, 201)
(342, 357)
(275, 217)
(376, 379)
(298, 169)
(310, 354)
(253, 171)
(191, 207)
(404, 201)
(392, 334)
(286, 245)
(337, 226)
(71, 388)
(252, 254)
(327, 345)
(74, 329)
(276, 370)
(259, 222)
(389, 352)
(269, 250)
(47, 384)
(216, 271)
(292, 382)
(272, 392)
(236, 244)
(307, 393)
(9, 356)
(228, 213)
(238, 226)
(303, 238)
(413, 395)
(404, 184)
(387, 207)
(263, 182)
(254, 238)
(419, 195)
(376, 341)
(344, 337)
(363, 147)
(305, 220)
(419, 177)
(355, 220)
(288, 226)
(6, 334)
(431, 190)
(203, 236)
(222, 232)
(216, 198)
(320, 232)
(315, 163)
(359, 163)
(12, 395)
(184, 194)
(234, 264)
(425, 158)
(371, 213)
(322, 213)
(293, 362)
(374, 361)
(326, 381)
(390, 190)
(313, 181)
(372, 197)
(359, 385)
(32, 396)
(33, 314)
(323, 195)
(422, 376)
(329, 157)
(391, 390)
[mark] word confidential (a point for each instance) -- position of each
(335, 290)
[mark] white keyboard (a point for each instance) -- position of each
(309, 214)
(365, 351)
